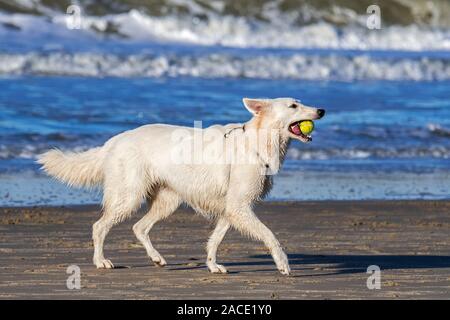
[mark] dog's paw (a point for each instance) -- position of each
(286, 271)
(104, 264)
(282, 263)
(216, 268)
(159, 261)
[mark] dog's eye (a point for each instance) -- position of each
(293, 106)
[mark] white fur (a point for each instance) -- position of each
(138, 165)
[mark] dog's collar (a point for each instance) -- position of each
(229, 132)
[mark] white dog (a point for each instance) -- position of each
(220, 171)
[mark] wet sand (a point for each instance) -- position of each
(330, 246)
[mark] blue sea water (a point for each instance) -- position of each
(379, 139)
(386, 133)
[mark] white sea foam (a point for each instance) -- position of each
(240, 32)
(438, 152)
(236, 31)
(219, 65)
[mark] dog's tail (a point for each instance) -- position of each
(81, 169)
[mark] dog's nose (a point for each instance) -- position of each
(320, 112)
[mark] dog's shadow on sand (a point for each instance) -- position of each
(340, 264)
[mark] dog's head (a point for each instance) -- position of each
(283, 114)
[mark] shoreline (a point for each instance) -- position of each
(29, 189)
(97, 205)
(330, 244)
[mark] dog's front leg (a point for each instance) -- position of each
(213, 243)
(248, 223)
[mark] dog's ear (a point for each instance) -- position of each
(255, 106)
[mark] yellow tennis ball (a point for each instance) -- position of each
(306, 126)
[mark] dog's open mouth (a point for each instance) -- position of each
(294, 128)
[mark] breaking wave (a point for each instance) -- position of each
(438, 152)
(408, 26)
(114, 38)
(222, 65)
(239, 32)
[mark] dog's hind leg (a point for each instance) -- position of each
(164, 203)
(122, 196)
(213, 243)
(111, 216)
(99, 231)
(248, 223)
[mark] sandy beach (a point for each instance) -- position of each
(330, 245)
